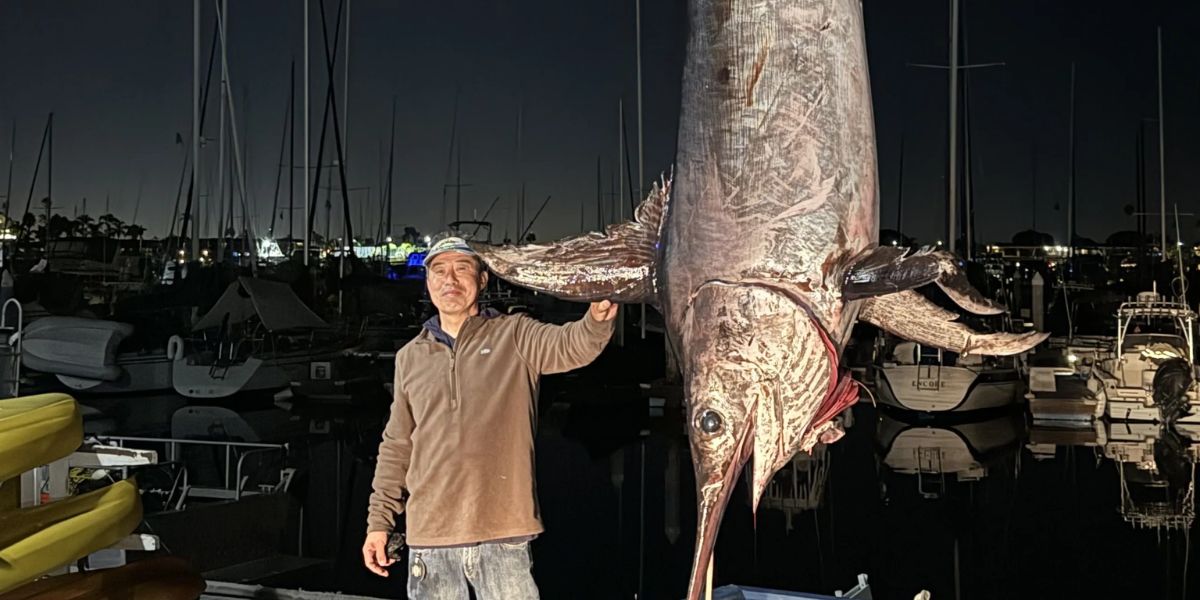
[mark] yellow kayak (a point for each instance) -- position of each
(36, 430)
(158, 578)
(38, 539)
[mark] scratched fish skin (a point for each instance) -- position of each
(775, 187)
(761, 250)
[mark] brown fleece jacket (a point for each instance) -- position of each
(457, 452)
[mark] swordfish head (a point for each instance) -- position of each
(757, 371)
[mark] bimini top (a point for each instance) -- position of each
(274, 303)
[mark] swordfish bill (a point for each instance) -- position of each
(761, 250)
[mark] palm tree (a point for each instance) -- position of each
(83, 225)
(111, 226)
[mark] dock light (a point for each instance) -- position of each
(939, 242)
(181, 252)
(389, 239)
(1018, 264)
(1071, 358)
(427, 239)
(893, 242)
(345, 248)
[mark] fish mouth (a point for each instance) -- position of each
(712, 508)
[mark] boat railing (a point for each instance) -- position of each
(10, 348)
(238, 457)
(1129, 310)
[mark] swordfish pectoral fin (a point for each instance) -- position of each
(911, 316)
(888, 269)
(618, 265)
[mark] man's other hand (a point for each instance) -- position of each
(603, 311)
(375, 553)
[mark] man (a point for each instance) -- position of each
(457, 452)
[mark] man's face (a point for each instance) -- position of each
(454, 280)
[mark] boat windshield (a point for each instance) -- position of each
(1160, 343)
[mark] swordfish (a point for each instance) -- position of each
(761, 250)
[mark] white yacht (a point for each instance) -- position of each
(1150, 331)
(924, 379)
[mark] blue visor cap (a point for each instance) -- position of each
(449, 244)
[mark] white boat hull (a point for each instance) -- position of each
(930, 388)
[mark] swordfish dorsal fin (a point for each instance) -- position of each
(888, 269)
(618, 265)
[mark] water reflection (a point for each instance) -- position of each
(799, 486)
(980, 508)
(939, 454)
(1155, 464)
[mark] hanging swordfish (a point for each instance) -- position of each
(761, 251)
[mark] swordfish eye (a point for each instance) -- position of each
(710, 422)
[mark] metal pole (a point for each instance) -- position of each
(237, 174)
(195, 113)
(49, 181)
(621, 149)
(641, 175)
(12, 149)
(1071, 174)
(307, 200)
(952, 176)
(391, 163)
(346, 90)
(221, 138)
(1162, 164)
(292, 164)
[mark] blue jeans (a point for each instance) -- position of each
(496, 571)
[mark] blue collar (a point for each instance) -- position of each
(434, 326)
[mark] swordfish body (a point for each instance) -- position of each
(761, 251)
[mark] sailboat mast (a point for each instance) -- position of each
(641, 162)
(1162, 165)
(292, 161)
(620, 152)
(599, 213)
(49, 179)
(391, 165)
(1071, 174)
(195, 123)
(221, 138)
(458, 186)
(450, 153)
(279, 165)
(952, 176)
(900, 193)
(307, 148)
(12, 149)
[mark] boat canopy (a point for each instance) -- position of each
(274, 303)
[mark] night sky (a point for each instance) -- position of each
(118, 76)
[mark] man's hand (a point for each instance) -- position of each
(603, 311)
(375, 553)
